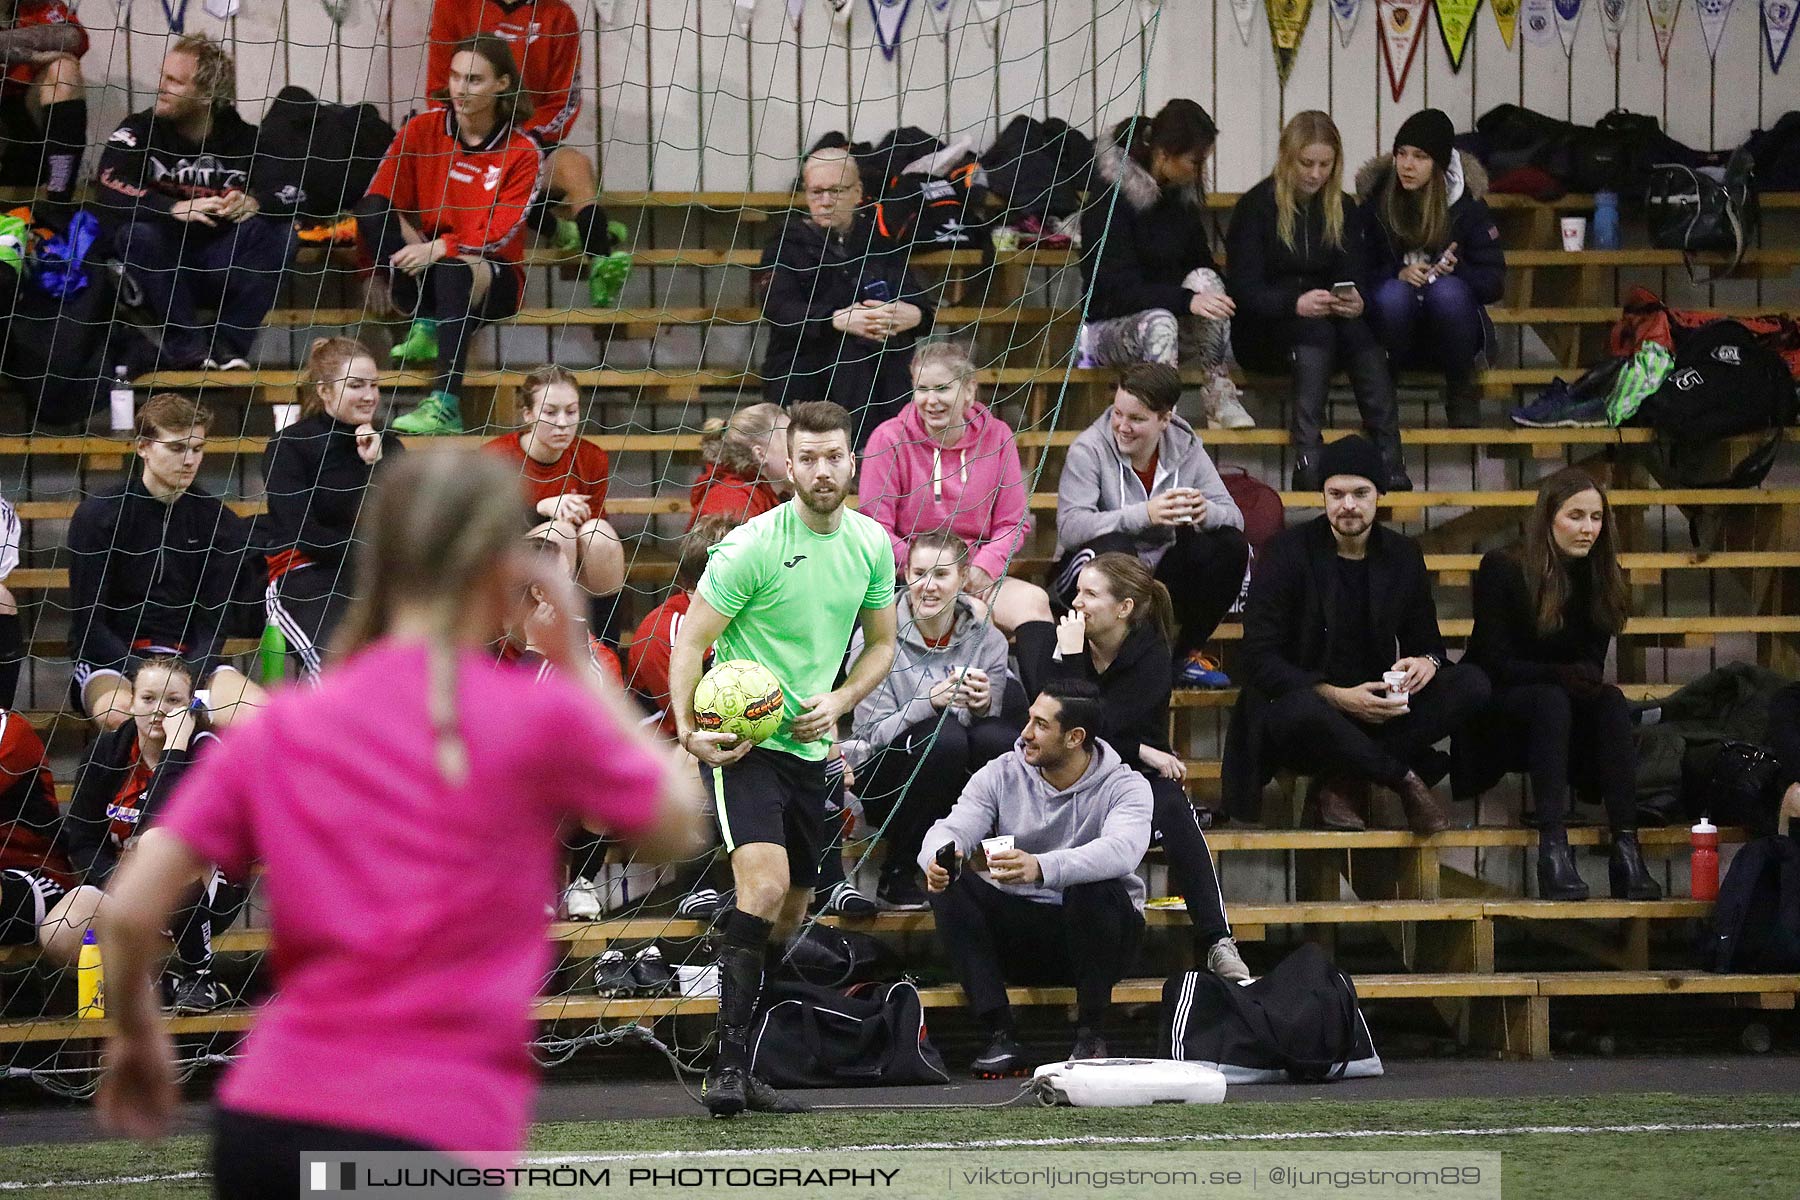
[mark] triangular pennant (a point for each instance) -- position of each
(226, 9)
(605, 11)
(988, 13)
(890, 16)
(795, 10)
(1244, 13)
(840, 14)
(939, 13)
(1455, 21)
(1287, 25)
(1506, 17)
(1568, 20)
(1613, 14)
(1663, 15)
(1344, 14)
(1778, 29)
(1146, 10)
(1713, 15)
(1401, 23)
(1539, 19)
(742, 13)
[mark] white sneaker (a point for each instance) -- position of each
(1221, 402)
(230, 364)
(1223, 960)
(581, 900)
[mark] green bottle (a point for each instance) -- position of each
(274, 654)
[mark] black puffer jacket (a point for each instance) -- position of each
(1481, 261)
(1139, 241)
(1267, 277)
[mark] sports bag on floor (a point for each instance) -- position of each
(872, 1035)
(1298, 1022)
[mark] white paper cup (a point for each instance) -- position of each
(1574, 233)
(1395, 682)
(285, 414)
(994, 845)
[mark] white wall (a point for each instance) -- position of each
(685, 102)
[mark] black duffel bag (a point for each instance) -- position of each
(1703, 210)
(831, 957)
(872, 1035)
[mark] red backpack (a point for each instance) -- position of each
(1264, 517)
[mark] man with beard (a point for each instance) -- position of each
(1337, 603)
(784, 590)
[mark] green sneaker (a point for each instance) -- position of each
(420, 346)
(608, 272)
(568, 236)
(438, 413)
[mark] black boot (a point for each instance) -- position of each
(1557, 877)
(1312, 382)
(1373, 384)
(1462, 399)
(726, 1089)
(1626, 872)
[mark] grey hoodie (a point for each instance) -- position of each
(1098, 829)
(902, 700)
(1100, 493)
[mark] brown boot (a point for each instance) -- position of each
(1338, 803)
(1423, 812)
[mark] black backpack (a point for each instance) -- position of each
(1756, 922)
(331, 151)
(872, 1035)
(1733, 782)
(1724, 383)
(1298, 1022)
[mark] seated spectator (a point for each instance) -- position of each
(842, 310)
(194, 214)
(40, 902)
(947, 463)
(43, 105)
(910, 760)
(1117, 638)
(647, 660)
(1544, 619)
(1331, 602)
(1064, 904)
(1433, 257)
(1783, 739)
(12, 635)
(1138, 481)
(1156, 293)
(565, 480)
(153, 567)
(130, 772)
(545, 39)
(444, 221)
(744, 465)
(317, 473)
(1294, 250)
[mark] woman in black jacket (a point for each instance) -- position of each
(1433, 256)
(1156, 294)
(1543, 622)
(1294, 253)
(1117, 637)
(317, 475)
(129, 773)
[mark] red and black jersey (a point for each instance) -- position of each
(647, 661)
(545, 37)
(474, 197)
(41, 12)
(29, 818)
(604, 662)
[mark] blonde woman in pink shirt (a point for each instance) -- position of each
(407, 815)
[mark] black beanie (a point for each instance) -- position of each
(1354, 455)
(1431, 131)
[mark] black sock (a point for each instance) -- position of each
(745, 942)
(591, 221)
(1034, 642)
(999, 1023)
(605, 616)
(12, 658)
(65, 137)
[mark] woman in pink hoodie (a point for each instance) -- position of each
(947, 463)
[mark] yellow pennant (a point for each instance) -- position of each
(1506, 16)
(1287, 25)
(1456, 21)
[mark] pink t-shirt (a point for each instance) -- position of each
(408, 937)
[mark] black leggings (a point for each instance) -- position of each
(442, 294)
(207, 910)
(1190, 862)
(1203, 570)
(258, 1158)
(905, 797)
(1544, 724)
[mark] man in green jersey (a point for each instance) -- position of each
(785, 590)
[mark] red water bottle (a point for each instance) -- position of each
(1704, 871)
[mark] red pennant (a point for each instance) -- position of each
(1401, 21)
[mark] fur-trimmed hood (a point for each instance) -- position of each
(1136, 185)
(1465, 176)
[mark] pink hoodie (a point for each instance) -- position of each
(975, 488)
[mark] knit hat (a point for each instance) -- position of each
(1431, 131)
(1354, 455)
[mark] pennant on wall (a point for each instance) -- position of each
(1401, 23)
(1663, 15)
(890, 17)
(742, 13)
(1713, 15)
(1612, 25)
(1344, 14)
(1455, 21)
(795, 10)
(987, 12)
(226, 9)
(1506, 16)
(1778, 29)
(1539, 19)
(1287, 25)
(1244, 13)
(1146, 10)
(1568, 20)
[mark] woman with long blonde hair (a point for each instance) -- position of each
(1294, 256)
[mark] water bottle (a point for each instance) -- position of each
(90, 980)
(1606, 221)
(124, 402)
(1704, 869)
(273, 654)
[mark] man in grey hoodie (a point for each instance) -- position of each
(1062, 903)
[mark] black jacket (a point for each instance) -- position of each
(147, 167)
(1288, 627)
(1783, 736)
(1481, 260)
(143, 570)
(1266, 278)
(89, 833)
(813, 274)
(1506, 642)
(1134, 692)
(1140, 240)
(316, 485)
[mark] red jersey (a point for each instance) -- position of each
(41, 12)
(647, 661)
(581, 471)
(720, 491)
(29, 817)
(474, 197)
(600, 657)
(545, 38)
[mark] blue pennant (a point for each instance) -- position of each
(890, 18)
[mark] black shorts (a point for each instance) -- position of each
(267, 1158)
(26, 898)
(771, 796)
(23, 161)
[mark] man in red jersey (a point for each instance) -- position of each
(43, 109)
